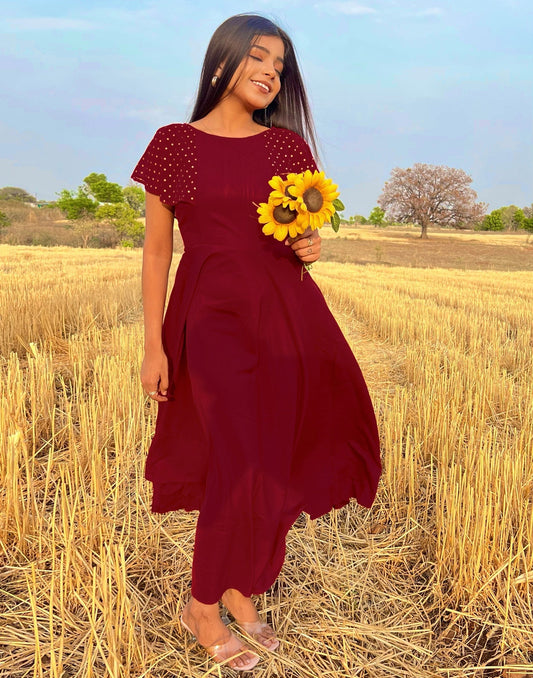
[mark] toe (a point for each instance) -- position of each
(244, 660)
(270, 642)
(268, 639)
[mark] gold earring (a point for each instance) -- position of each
(214, 80)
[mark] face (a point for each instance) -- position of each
(257, 81)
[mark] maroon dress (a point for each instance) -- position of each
(269, 414)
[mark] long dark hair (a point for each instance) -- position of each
(230, 44)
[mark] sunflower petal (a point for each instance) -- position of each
(277, 184)
(281, 232)
(293, 230)
(269, 228)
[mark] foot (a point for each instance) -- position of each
(247, 617)
(204, 622)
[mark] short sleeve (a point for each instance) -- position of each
(289, 152)
(154, 169)
(303, 157)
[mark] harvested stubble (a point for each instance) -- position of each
(434, 580)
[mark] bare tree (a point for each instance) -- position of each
(431, 194)
(86, 228)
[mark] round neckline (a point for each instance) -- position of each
(220, 136)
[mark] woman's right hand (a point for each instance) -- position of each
(154, 374)
(157, 255)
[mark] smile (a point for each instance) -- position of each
(266, 88)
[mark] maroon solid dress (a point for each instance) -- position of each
(269, 414)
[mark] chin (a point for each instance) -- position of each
(259, 105)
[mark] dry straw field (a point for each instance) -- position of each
(435, 580)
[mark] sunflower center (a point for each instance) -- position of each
(313, 199)
(287, 192)
(283, 215)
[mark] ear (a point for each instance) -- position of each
(220, 69)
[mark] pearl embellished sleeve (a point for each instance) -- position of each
(163, 163)
(150, 170)
(288, 152)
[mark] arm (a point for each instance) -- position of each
(309, 240)
(157, 256)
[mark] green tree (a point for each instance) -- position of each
(135, 198)
(519, 218)
(511, 217)
(527, 225)
(76, 206)
(4, 220)
(14, 193)
(357, 219)
(124, 219)
(103, 190)
(493, 221)
(377, 216)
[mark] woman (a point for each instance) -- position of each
(263, 412)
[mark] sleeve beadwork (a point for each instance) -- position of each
(288, 152)
(154, 169)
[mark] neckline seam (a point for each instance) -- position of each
(220, 136)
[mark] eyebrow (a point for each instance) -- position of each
(267, 51)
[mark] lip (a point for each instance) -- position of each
(265, 84)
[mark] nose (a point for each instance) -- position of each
(269, 68)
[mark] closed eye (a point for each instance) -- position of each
(252, 56)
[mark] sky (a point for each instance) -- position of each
(86, 84)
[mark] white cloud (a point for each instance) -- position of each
(347, 7)
(48, 23)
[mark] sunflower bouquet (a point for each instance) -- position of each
(301, 201)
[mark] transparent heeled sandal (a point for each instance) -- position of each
(258, 630)
(226, 653)
(261, 632)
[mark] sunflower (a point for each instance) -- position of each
(315, 196)
(280, 220)
(281, 195)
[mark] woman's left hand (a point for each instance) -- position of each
(306, 246)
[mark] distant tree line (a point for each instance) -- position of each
(510, 218)
(424, 195)
(376, 217)
(14, 193)
(101, 202)
(96, 203)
